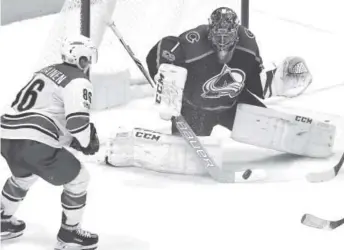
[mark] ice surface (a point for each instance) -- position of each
(135, 209)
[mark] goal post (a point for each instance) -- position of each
(85, 18)
(245, 12)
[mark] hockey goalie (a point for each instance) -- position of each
(213, 75)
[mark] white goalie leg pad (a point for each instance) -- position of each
(284, 132)
(170, 81)
(159, 152)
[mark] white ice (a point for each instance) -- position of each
(135, 209)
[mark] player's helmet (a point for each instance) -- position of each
(223, 29)
(79, 51)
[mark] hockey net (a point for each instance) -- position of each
(141, 22)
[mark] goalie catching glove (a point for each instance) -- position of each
(170, 81)
(93, 146)
(290, 79)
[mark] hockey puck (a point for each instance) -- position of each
(247, 174)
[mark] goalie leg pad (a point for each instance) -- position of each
(159, 152)
(284, 132)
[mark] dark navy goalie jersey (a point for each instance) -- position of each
(210, 84)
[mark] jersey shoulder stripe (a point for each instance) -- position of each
(247, 42)
(196, 44)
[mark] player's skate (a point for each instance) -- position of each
(75, 238)
(11, 227)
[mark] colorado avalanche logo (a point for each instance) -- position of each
(230, 82)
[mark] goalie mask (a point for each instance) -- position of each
(79, 51)
(223, 31)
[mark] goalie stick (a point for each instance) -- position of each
(183, 127)
(326, 175)
(316, 222)
(131, 53)
(190, 137)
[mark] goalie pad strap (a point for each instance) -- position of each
(267, 88)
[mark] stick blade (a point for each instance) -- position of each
(221, 175)
(225, 176)
(321, 176)
(315, 222)
(326, 175)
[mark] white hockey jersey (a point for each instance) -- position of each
(52, 108)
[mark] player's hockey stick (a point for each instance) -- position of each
(183, 127)
(131, 53)
(190, 137)
(326, 175)
(316, 222)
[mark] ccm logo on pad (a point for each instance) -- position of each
(147, 136)
(303, 119)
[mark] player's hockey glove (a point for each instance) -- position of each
(93, 146)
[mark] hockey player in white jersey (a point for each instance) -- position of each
(49, 113)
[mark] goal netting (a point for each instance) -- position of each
(141, 22)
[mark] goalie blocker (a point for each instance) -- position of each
(159, 152)
(284, 132)
(170, 80)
